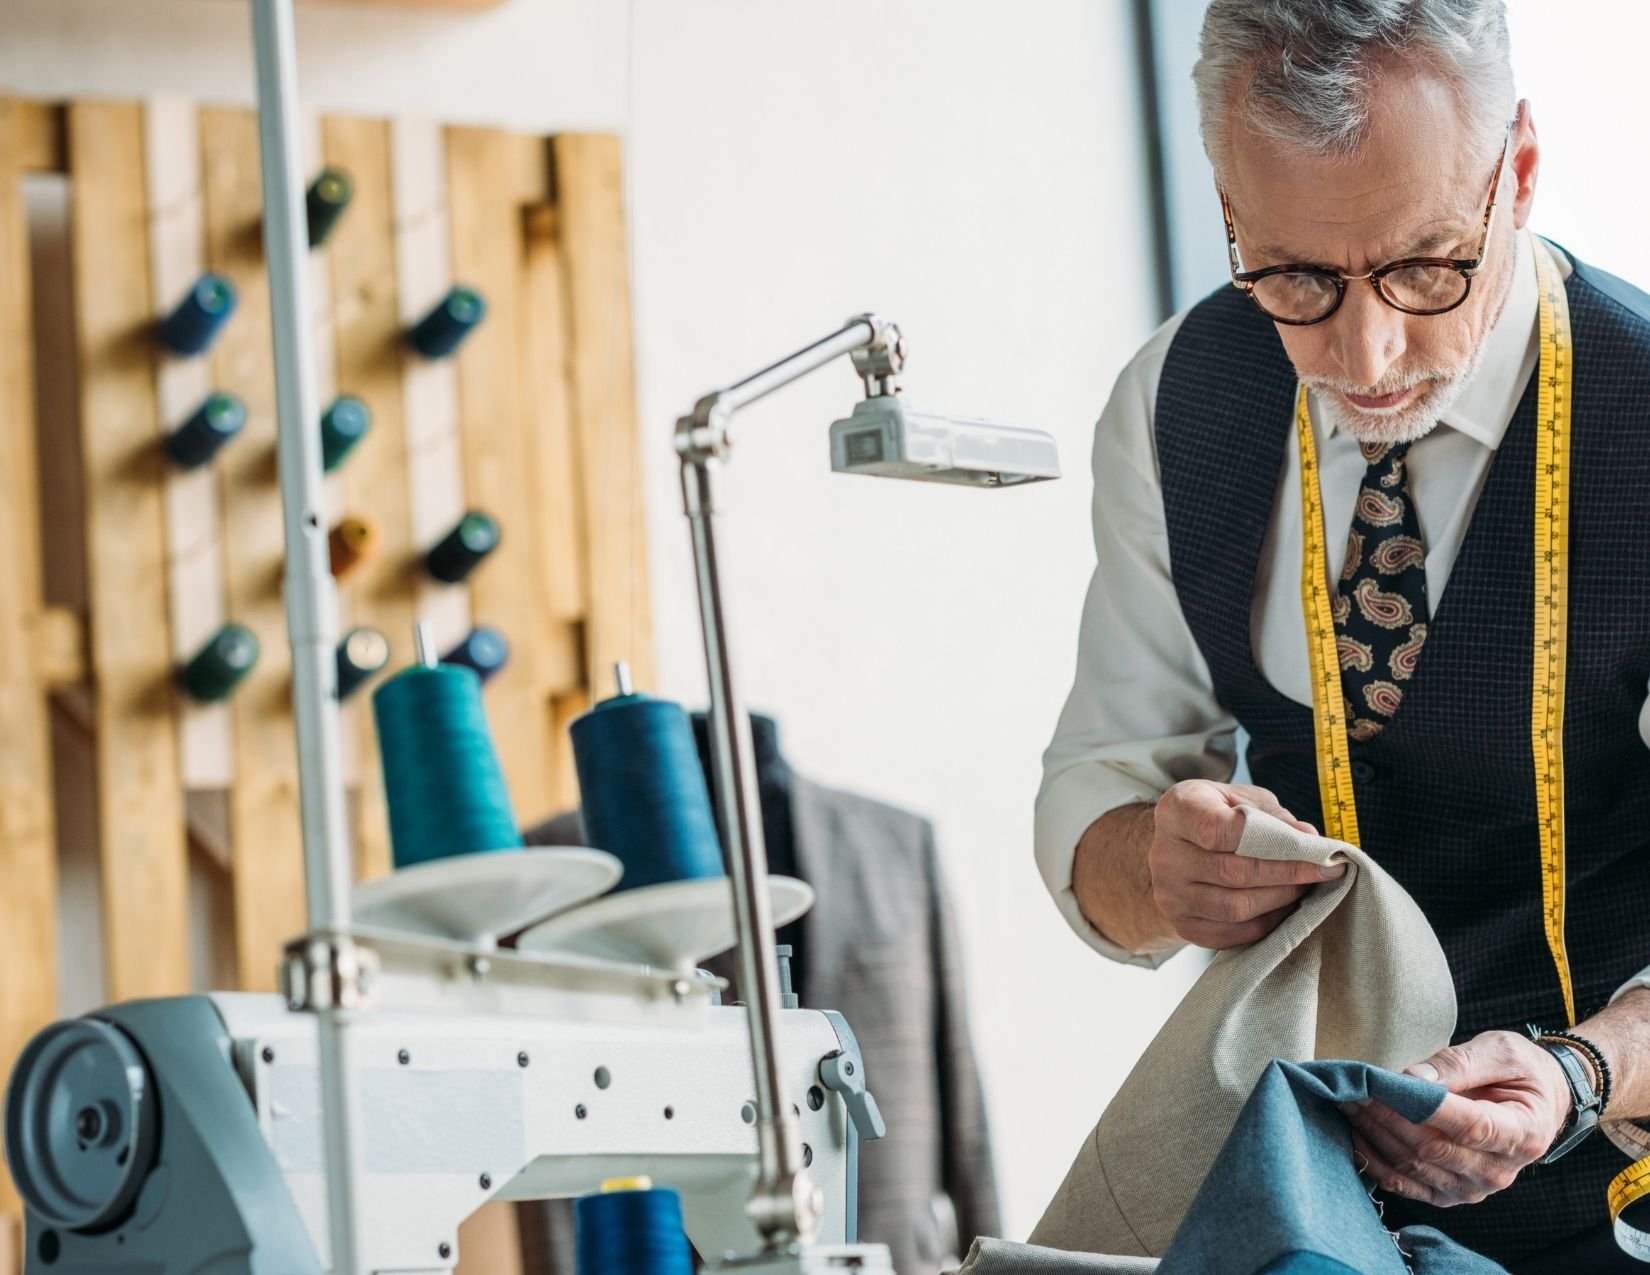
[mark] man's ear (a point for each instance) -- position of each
(1525, 162)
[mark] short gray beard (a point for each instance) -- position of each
(1409, 422)
(1413, 420)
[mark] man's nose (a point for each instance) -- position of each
(1367, 335)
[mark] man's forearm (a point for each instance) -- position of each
(1113, 883)
(1622, 1031)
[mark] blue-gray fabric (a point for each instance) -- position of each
(1284, 1188)
(1283, 1197)
(1445, 798)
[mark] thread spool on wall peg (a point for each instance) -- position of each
(344, 424)
(217, 420)
(192, 327)
(324, 203)
(214, 671)
(350, 543)
(461, 550)
(363, 653)
(484, 650)
(444, 328)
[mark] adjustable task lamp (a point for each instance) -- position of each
(882, 436)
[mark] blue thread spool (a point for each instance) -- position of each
(344, 424)
(324, 203)
(217, 420)
(362, 653)
(442, 778)
(440, 332)
(218, 667)
(631, 1227)
(199, 317)
(484, 650)
(642, 790)
(462, 549)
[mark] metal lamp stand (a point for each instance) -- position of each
(784, 1205)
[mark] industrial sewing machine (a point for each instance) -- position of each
(185, 1136)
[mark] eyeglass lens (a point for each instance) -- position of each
(1301, 296)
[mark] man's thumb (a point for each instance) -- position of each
(1451, 1067)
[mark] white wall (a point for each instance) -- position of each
(1582, 68)
(969, 168)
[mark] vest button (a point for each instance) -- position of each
(1362, 771)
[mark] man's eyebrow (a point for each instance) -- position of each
(1426, 245)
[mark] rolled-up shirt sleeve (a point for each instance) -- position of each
(1142, 713)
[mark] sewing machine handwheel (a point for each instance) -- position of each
(80, 1124)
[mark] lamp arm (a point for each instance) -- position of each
(784, 1204)
(878, 351)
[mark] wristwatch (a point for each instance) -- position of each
(1587, 1103)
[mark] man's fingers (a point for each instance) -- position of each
(1214, 935)
(1404, 1173)
(1242, 872)
(1233, 907)
(1495, 1128)
(1382, 1174)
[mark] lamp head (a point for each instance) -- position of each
(886, 438)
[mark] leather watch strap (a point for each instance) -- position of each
(1585, 1102)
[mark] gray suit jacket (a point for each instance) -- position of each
(882, 950)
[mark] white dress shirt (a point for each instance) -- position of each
(1142, 713)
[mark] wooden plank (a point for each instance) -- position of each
(38, 136)
(59, 647)
(566, 708)
(28, 865)
(142, 846)
(435, 453)
(553, 456)
(263, 801)
(489, 1242)
(590, 206)
(491, 177)
(194, 527)
(366, 331)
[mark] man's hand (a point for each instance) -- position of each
(1508, 1100)
(1213, 896)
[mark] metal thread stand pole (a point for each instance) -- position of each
(784, 1204)
(311, 598)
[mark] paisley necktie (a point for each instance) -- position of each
(1381, 604)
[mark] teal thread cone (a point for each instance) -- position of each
(442, 778)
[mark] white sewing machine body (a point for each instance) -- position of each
(478, 1076)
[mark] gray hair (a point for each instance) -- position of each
(1303, 71)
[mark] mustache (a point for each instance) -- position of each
(1392, 383)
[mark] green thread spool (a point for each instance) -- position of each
(444, 328)
(324, 203)
(217, 420)
(344, 424)
(461, 549)
(218, 667)
(442, 779)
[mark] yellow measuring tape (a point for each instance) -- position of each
(1552, 548)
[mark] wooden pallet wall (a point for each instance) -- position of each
(533, 420)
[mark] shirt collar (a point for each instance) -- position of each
(1485, 405)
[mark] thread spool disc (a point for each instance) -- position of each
(676, 925)
(478, 898)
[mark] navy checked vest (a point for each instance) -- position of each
(1446, 797)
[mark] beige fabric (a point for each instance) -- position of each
(1355, 972)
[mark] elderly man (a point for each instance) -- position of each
(1383, 340)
